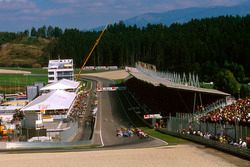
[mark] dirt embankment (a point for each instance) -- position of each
(26, 52)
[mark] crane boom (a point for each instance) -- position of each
(93, 48)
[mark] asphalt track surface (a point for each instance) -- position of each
(112, 115)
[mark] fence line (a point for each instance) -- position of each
(184, 121)
(239, 151)
(217, 104)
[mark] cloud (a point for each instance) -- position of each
(17, 10)
(134, 7)
(57, 12)
(65, 1)
(16, 4)
(90, 13)
(225, 2)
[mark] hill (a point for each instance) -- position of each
(25, 52)
(187, 14)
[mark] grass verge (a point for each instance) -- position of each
(167, 138)
(20, 80)
(119, 81)
(11, 83)
(45, 71)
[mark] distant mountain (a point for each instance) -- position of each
(185, 15)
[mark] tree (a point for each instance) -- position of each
(238, 70)
(201, 46)
(26, 33)
(7, 37)
(245, 91)
(42, 32)
(50, 32)
(57, 32)
(226, 81)
(33, 32)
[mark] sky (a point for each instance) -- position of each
(18, 15)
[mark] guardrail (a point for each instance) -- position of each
(184, 120)
(11, 146)
(238, 151)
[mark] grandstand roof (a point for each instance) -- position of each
(157, 81)
(63, 84)
(55, 100)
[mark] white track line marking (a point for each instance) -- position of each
(100, 99)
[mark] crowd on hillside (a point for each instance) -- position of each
(237, 112)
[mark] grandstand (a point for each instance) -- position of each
(186, 108)
(169, 93)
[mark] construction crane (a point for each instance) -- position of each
(90, 53)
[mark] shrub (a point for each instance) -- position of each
(36, 65)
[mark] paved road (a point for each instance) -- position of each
(111, 115)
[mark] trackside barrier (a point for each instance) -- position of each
(68, 134)
(248, 141)
(238, 151)
(184, 120)
(5, 146)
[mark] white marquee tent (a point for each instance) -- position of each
(55, 100)
(63, 84)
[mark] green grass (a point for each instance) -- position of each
(45, 71)
(206, 85)
(88, 84)
(119, 81)
(32, 70)
(10, 83)
(169, 139)
(20, 80)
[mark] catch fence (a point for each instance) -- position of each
(184, 122)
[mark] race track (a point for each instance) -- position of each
(111, 115)
(121, 151)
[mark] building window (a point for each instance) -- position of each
(61, 73)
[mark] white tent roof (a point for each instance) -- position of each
(55, 100)
(63, 84)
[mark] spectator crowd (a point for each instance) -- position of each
(236, 112)
(80, 105)
(220, 138)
